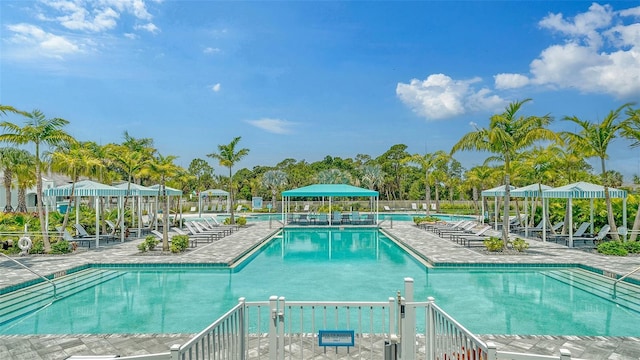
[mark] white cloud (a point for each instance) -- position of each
(150, 27)
(440, 97)
(510, 81)
(210, 50)
(596, 56)
(275, 126)
(131, 36)
(216, 87)
(41, 43)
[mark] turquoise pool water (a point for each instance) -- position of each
(324, 264)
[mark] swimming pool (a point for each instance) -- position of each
(330, 264)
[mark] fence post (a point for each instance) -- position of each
(241, 328)
(408, 340)
(392, 318)
(175, 351)
(565, 354)
(273, 336)
(281, 309)
(492, 352)
(431, 330)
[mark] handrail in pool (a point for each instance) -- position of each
(615, 283)
(55, 291)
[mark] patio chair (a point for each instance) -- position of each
(466, 239)
(306, 208)
(336, 218)
(355, 218)
(578, 233)
(239, 208)
(414, 207)
(82, 232)
(193, 242)
(591, 240)
(387, 208)
(208, 236)
(323, 219)
(66, 235)
(213, 223)
(204, 227)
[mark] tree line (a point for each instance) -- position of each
(521, 150)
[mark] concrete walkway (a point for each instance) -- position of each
(231, 248)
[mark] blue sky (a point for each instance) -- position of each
(306, 79)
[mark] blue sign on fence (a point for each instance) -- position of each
(336, 338)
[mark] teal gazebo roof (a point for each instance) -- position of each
(497, 191)
(532, 190)
(334, 190)
(582, 190)
(85, 188)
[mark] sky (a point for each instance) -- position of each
(307, 79)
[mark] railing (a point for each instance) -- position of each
(55, 290)
(615, 283)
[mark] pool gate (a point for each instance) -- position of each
(278, 329)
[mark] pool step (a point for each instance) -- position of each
(627, 295)
(24, 301)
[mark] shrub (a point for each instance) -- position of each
(240, 221)
(179, 243)
(37, 247)
(149, 243)
(615, 248)
(419, 220)
(60, 247)
(494, 244)
(520, 244)
(633, 247)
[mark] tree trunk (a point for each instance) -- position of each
(505, 218)
(43, 225)
(7, 190)
(428, 193)
(636, 226)
(612, 221)
(165, 218)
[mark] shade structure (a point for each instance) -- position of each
(585, 190)
(87, 188)
(495, 192)
(530, 191)
(138, 191)
(169, 191)
(211, 193)
(330, 191)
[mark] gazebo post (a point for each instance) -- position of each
(96, 201)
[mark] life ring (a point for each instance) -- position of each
(24, 243)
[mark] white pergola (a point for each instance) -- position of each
(87, 188)
(137, 191)
(212, 193)
(496, 192)
(530, 191)
(584, 190)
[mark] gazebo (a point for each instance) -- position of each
(584, 190)
(496, 192)
(87, 188)
(138, 191)
(169, 191)
(530, 191)
(330, 191)
(211, 193)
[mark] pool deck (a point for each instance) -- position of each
(231, 248)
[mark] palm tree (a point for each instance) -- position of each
(592, 140)
(372, 176)
(333, 176)
(508, 133)
(631, 131)
(8, 161)
(273, 180)
(428, 162)
(162, 168)
(37, 130)
(228, 156)
(478, 177)
(75, 160)
(25, 177)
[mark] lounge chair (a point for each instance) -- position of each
(209, 236)
(213, 223)
(204, 227)
(306, 208)
(387, 208)
(336, 218)
(194, 239)
(82, 232)
(592, 240)
(564, 238)
(239, 208)
(66, 235)
(193, 242)
(466, 239)
(463, 229)
(414, 207)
